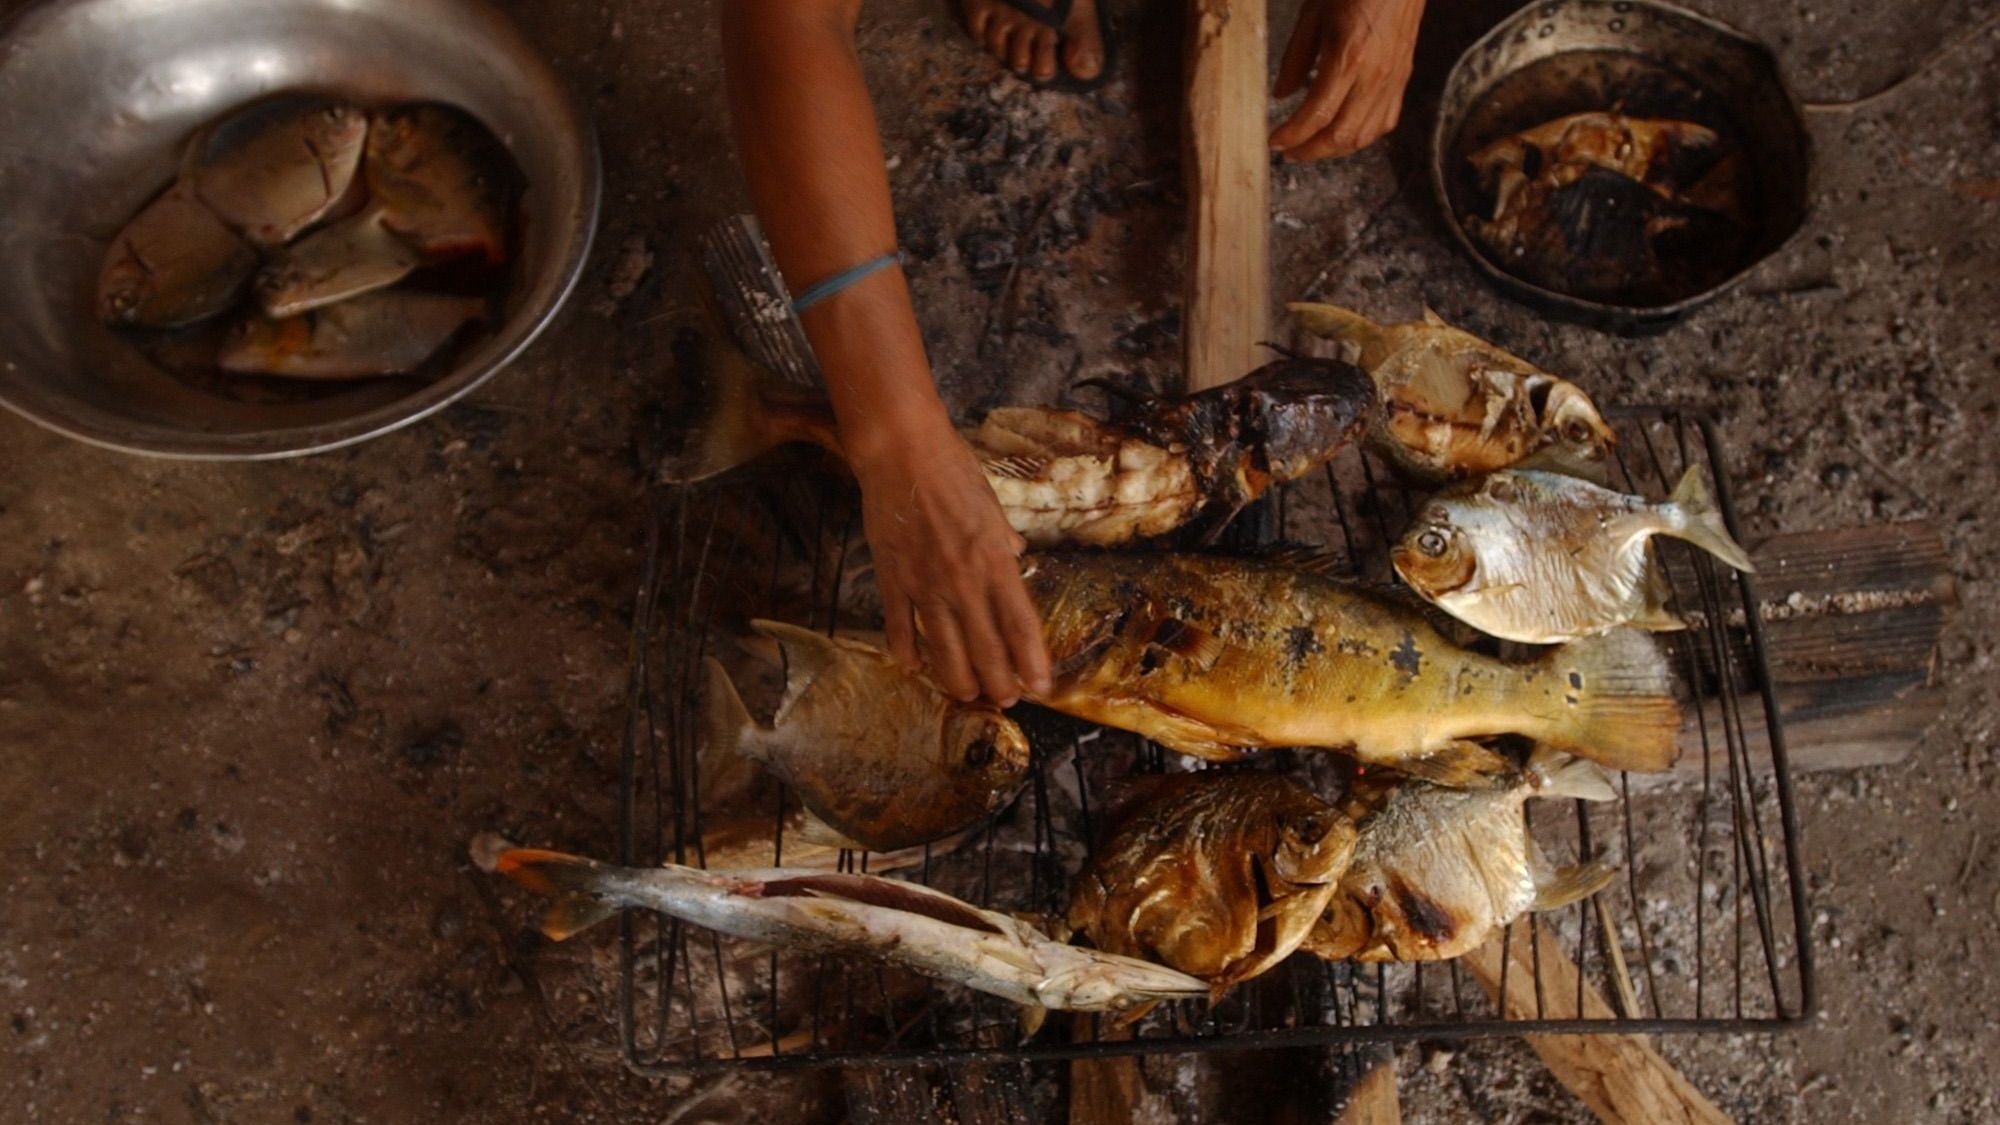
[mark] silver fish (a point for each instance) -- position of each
(1544, 558)
(173, 264)
(440, 180)
(903, 924)
(278, 166)
(389, 333)
(338, 262)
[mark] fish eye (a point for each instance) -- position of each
(1433, 543)
(979, 753)
(1577, 432)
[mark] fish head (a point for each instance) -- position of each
(1572, 437)
(1439, 554)
(1314, 846)
(1300, 413)
(985, 746)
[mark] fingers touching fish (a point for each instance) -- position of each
(1543, 558)
(899, 923)
(1455, 406)
(277, 166)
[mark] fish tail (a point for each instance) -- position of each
(1562, 775)
(582, 889)
(1700, 521)
(737, 416)
(1574, 884)
(1331, 322)
(1617, 693)
(727, 725)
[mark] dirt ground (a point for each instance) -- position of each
(250, 714)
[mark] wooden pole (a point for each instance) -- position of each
(1228, 169)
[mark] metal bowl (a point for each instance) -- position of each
(1650, 59)
(96, 99)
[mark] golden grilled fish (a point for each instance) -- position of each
(1544, 558)
(277, 166)
(388, 333)
(903, 924)
(1213, 656)
(881, 757)
(438, 179)
(1217, 875)
(173, 264)
(1662, 154)
(1063, 477)
(1436, 871)
(1455, 406)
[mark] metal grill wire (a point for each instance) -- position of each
(1719, 848)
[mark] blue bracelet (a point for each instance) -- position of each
(820, 291)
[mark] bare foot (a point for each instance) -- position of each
(1029, 47)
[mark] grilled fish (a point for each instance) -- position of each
(1455, 406)
(278, 166)
(1212, 657)
(173, 264)
(903, 924)
(438, 179)
(1063, 477)
(882, 757)
(1436, 871)
(1218, 875)
(1660, 154)
(390, 333)
(1543, 558)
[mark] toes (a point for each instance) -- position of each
(1045, 55)
(1083, 54)
(999, 39)
(1023, 52)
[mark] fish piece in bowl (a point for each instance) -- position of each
(357, 255)
(173, 264)
(439, 180)
(388, 333)
(278, 166)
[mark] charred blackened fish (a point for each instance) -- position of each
(1455, 406)
(1063, 477)
(437, 178)
(1437, 871)
(278, 166)
(900, 923)
(380, 334)
(1214, 656)
(173, 264)
(1217, 875)
(883, 758)
(1663, 155)
(1543, 558)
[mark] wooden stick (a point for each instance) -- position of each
(1228, 169)
(1374, 1100)
(1621, 1078)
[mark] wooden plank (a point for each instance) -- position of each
(1228, 170)
(997, 1093)
(891, 1095)
(1621, 1078)
(1374, 1100)
(1105, 1091)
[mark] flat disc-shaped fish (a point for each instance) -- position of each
(1217, 875)
(883, 758)
(173, 264)
(387, 333)
(440, 180)
(277, 166)
(344, 260)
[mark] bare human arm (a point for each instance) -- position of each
(942, 547)
(1357, 54)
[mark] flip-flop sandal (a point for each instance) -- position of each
(1055, 16)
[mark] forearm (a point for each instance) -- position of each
(813, 158)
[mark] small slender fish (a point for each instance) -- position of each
(1215, 657)
(1437, 871)
(1544, 558)
(173, 264)
(357, 255)
(440, 180)
(278, 166)
(387, 333)
(900, 923)
(883, 758)
(1217, 875)
(1455, 406)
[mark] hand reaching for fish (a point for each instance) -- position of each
(1358, 54)
(946, 563)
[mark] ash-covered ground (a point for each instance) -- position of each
(251, 714)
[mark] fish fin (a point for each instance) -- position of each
(1196, 645)
(1031, 1018)
(728, 730)
(1014, 468)
(575, 883)
(1331, 322)
(1432, 318)
(1311, 560)
(813, 829)
(1573, 884)
(1652, 613)
(1563, 775)
(1199, 742)
(1701, 522)
(1619, 690)
(807, 653)
(1460, 765)
(1133, 1014)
